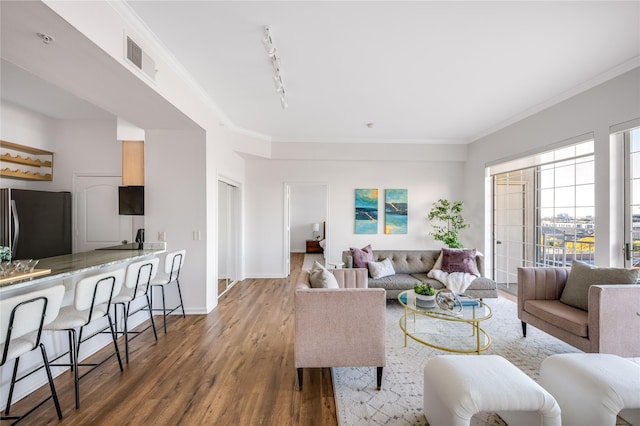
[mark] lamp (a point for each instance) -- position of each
(270, 47)
(316, 231)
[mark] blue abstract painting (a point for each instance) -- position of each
(366, 211)
(395, 210)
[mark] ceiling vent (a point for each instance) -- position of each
(140, 59)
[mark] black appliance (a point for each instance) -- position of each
(35, 224)
(131, 200)
(140, 238)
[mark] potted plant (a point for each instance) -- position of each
(449, 214)
(425, 294)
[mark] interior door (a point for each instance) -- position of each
(509, 228)
(96, 220)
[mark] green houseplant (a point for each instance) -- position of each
(449, 221)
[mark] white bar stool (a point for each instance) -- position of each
(172, 265)
(21, 320)
(136, 286)
(91, 302)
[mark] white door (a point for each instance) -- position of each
(97, 222)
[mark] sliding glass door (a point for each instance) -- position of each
(632, 197)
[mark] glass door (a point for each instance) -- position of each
(228, 235)
(632, 197)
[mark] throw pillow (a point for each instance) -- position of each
(460, 260)
(438, 264)
(362, 256)
(321, 277)
(583, 276)
(381, 269)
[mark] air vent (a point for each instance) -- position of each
(140, 59)
(134, 53)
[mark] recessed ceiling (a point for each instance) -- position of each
(422, 71)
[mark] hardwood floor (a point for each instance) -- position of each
(231, 367)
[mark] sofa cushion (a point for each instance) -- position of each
(393, 282)
(320, 277)
(563, 316)
(407, 261)
(362, 256)
(583, 276)
(381, 269)
(459, 260)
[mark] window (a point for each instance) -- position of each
(631, 140)
(543, 210)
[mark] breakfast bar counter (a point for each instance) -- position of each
(71, 265)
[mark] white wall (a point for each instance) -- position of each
(308, 206)
(596, 110)
(426, 182)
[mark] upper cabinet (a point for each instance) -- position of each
(24, 162)
(132, 163)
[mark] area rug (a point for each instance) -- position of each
(399, 402)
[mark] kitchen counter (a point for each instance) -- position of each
(69, 265)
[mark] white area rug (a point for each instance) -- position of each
(309, 258)
(400, 400)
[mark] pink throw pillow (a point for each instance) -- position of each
(460, 260)
(362, 256)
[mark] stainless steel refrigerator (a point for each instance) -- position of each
(35, 224)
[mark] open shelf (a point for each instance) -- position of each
(30, 159)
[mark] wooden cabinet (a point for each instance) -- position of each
(24, 162)
(313, 246)
(132, 163)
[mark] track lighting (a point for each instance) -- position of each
(270, 47)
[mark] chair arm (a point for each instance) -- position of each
(540, 284)
(339, 327)
(614, 319)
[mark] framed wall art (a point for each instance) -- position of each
(366, 211)
(395, 211)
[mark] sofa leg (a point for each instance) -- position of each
(379, 377)
(524, 329)
(300, 378)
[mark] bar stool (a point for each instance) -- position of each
(21, 321)
(92, 301)
(172, 264)
(136, 285)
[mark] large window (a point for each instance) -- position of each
(543, 210)
(632, 197)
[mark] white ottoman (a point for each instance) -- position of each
(458, 386)
(593, 388)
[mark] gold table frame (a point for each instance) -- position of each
(438, 314)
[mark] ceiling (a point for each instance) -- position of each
(420, 71)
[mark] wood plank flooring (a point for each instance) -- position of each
(231, 367)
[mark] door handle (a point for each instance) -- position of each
(498, 242)
(627, 251)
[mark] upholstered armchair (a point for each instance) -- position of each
(611, 324)
(339, 327)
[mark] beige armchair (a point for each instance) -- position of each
(611, 324)
(342, 327)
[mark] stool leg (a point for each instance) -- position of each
(74, 350)
(125, 329)
(164, 310)
(115, 343)
(13, 382)
(54, 394)
(180, 296)
(153, 324)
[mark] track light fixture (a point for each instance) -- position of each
(270, 47)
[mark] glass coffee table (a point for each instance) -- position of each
(445, 330)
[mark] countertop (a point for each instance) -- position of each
(68, 265)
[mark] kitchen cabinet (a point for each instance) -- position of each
(24, 162)
(132, 163)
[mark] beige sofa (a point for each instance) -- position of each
(414, 265)
(342, 327)
(610, 325)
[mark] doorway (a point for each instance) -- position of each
(228, 234)
(306, 205)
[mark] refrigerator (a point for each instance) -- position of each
(35, 224)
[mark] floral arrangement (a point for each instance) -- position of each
(424, 289)
(5, 253)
